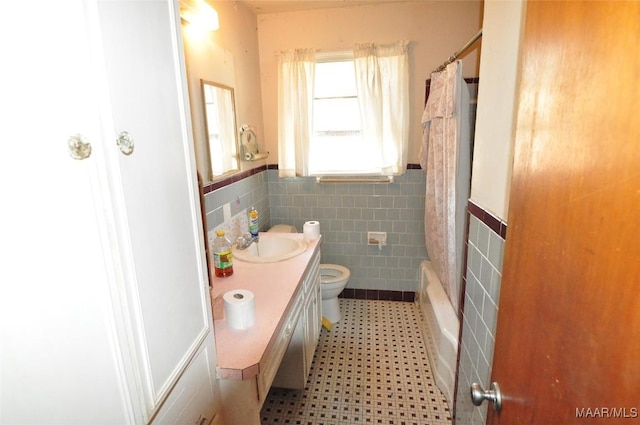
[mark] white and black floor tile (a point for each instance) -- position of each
(370, 368)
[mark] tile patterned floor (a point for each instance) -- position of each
(371, 368)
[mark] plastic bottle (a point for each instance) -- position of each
(222, 257)
(254, 225)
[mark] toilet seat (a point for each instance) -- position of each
(333, 273)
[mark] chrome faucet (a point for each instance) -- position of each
(244, 241)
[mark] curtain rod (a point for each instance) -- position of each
(460, 51)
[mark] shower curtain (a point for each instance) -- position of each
(445, 157)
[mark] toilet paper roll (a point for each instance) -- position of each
(239, 308)
(311, 231)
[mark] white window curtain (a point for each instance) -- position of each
(295, 110)
(382, 78)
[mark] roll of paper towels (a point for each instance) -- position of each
(311, 231)
(239, 308)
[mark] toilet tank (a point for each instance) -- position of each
(283, 228)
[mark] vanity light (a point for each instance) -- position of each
(199, 14)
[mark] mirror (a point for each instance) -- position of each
(220, 128)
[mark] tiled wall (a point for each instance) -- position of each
(346, 211)
(484, 273)
(248, 190)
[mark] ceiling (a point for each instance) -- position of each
(279, 6)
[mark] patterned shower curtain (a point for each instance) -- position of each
(446, 160)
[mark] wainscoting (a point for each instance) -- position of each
(485, 251)
(346, 212)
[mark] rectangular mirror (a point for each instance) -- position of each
(220, 127)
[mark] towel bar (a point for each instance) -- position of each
(331, 179)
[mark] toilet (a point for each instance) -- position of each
(333, 279)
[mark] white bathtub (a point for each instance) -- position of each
(440, 330)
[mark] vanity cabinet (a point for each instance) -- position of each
(278, 349)
(296, 363)
(314, 321)
(107, 318)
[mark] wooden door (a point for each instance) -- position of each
(568, 337)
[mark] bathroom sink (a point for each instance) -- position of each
(270, 249)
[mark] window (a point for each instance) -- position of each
(336, 145)
(343, 113)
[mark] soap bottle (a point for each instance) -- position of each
(254, 225)
(222, 256)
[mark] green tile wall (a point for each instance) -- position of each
(346, 211)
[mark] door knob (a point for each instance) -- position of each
(125, 143)
(79, 147)
(479, 394)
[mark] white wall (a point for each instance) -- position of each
(227, 56)
(497, 105)
(436, 30)
(492, 162)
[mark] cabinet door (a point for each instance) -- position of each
(313, 315)
(190, 401)
(59, 362)
(166, 285)
(309, 331)
(317, 320)
(104, 300)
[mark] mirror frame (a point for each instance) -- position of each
(212, 177)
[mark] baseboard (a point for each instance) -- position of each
(378, 294)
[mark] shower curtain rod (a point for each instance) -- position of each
(460, 51)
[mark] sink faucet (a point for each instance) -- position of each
(244, 241)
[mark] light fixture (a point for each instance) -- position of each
(199, 15)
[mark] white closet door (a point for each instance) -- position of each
(58, 363)
(166, 282)
(104, 299)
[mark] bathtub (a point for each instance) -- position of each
(440, 330)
